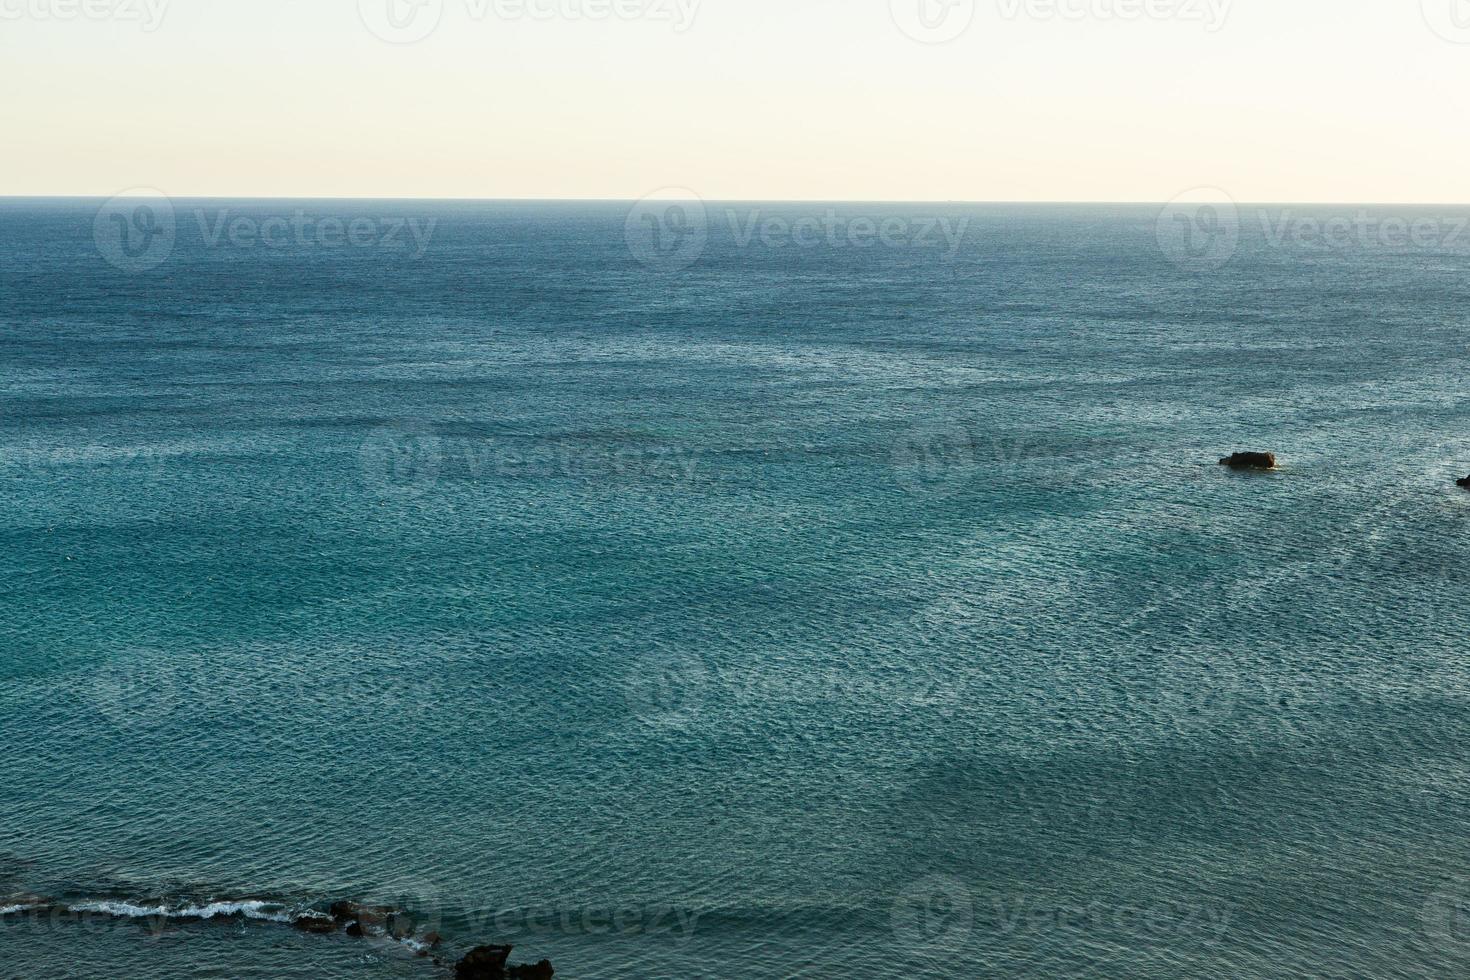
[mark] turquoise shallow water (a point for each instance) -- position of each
(804, 611)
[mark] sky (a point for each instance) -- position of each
(897, 100)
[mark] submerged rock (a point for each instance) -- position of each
(317, 924)
(402, 926)
(483, 963)
(1250, 461)
(355, 912)
(369, 920)
(488, 963)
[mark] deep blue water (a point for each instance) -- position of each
(706, 607)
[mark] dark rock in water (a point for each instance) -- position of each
(362, 920)
(488, 963)
(400, 926)
(1250, 461)
(355, 912)
(318, 924)
(1463, 483)
(483, 963)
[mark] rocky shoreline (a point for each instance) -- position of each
(346, 918)
(357, 920)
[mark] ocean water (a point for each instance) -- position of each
(735, 591)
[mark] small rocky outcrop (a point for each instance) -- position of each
(483, 963)
(364, 915)
(1463, 483)
(1250, 461)
(489, 963)
(319, 925)
(358, 921)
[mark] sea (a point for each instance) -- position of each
(691, 589)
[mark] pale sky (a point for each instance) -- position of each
(1270, 100)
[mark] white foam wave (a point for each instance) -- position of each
(120, 910)
(251, 909)
(264, 911)
(15, 909)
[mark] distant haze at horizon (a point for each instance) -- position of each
(1319, 103)
(143, 192)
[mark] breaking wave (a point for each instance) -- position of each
(342, 918)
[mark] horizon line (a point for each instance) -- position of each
(717, 200)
